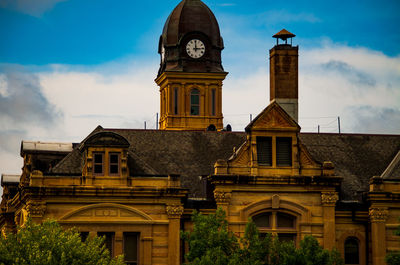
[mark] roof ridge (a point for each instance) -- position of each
(392, 165)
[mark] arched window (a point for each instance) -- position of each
(351, 251)
(195, 102)
(277, 223)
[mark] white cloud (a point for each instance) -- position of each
(359, 85)
(31, 7)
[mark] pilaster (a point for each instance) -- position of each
(378, 217)
(222, 199)
(174, 212)
(329, 200)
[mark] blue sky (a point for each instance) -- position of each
(97, 31)
(67, 66)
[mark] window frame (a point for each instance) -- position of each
(213, 102)
(275, 230)
(176, 101)
(277, 151)
(112, 234)
(102, 163)
(137, 234)
(358, 250)
(194, 92)
(259, 139)
(118, 163)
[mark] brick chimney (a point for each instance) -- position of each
(284, 73)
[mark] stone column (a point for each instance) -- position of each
(328, 200)
(378, 217)
(174, 215)
(223, 198)
(118, 243)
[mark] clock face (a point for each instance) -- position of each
(195, 48)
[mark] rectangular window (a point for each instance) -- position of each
(109, 241)
(284, 151)
(131, 248)
(114, 163)
(176, 101)
(195, 102)
(98, 163)
(213, 102)
(264, 150)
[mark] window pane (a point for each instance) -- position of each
(262, 220)
(285, 220)
(131, 247)
(114, 169)
(351, 255)
(284, 151)
(287, 237)
(109, 238)
(213, 102)
(98, 158)
(176, 100)
(113, 158)
(264, 150)
(194, 110)
(98, 169)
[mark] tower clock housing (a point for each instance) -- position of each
(191, 73)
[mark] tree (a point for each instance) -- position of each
(393, 258)
(48, 244)
(212, 243)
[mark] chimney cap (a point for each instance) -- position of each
(284, 35)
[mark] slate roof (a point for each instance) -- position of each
(357, 157)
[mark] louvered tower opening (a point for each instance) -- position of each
(264, 150)
(283, 151)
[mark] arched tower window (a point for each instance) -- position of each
(277, 223)
(351, 251)
(195, 102)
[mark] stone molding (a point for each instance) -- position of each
(378, 214)
(36, 208)
(329, 198)
(174, 210)
(222, 196)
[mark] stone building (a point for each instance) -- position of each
(138, 188)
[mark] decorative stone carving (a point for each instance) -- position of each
(36, 208)
(222, 196)
(378, 214)
(329, 198)
(174, 210)
(275, 201)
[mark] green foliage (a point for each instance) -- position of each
(393, 258)
(212, 243)
(49, 244)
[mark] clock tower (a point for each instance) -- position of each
(191, 73)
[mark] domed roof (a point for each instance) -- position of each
(191, 16)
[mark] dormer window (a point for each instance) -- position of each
(264, 150)
(284, 151)
(98, 164)
(114, 163)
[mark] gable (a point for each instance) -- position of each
(274, 117)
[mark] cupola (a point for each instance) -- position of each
(191, 40)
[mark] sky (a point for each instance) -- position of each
(67, 66)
